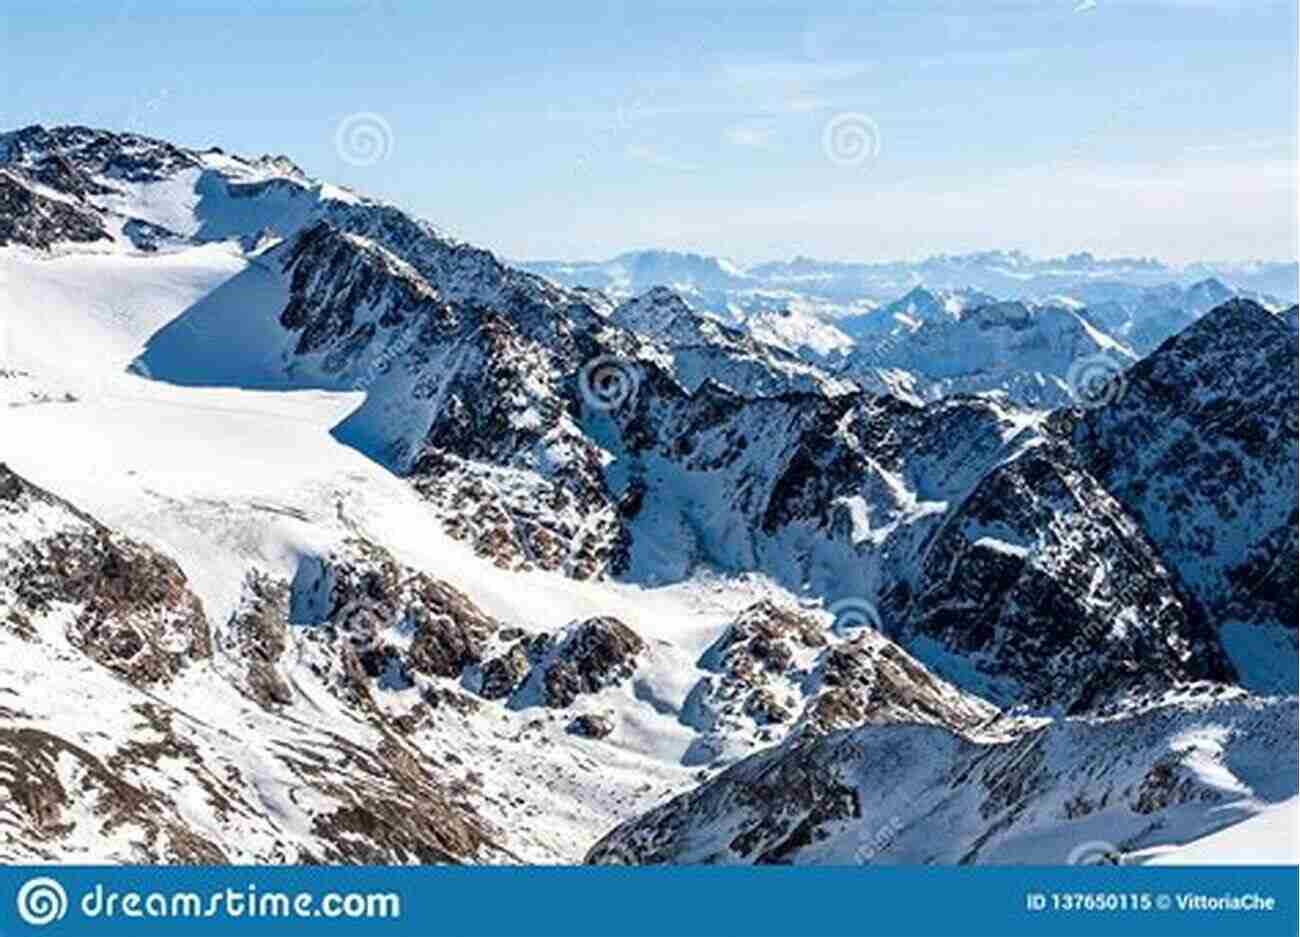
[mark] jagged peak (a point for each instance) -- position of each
(1239, 309)
(658, 305)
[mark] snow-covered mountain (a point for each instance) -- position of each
(845, 287)
(1076, 791)
(1030, 353)
(918, 307)
(639, 271)
(1054, 319)
(1201, 450)
(367, 504)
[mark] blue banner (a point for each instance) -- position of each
(650, 902)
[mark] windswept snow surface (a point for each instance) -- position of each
(1272, 837)
(227, 479)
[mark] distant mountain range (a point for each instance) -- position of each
(838, 287)
(325, 537)
(987, 322)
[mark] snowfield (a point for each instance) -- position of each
(227, 480)
(1270, 838)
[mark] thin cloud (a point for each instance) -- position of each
(1229, 146)
(755, 135)
(793, 73)
(652, 157)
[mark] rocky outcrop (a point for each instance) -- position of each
(592, 726)
(775, 671)
(258, 636)
(368, 621)
(584, 659)
(128, 607)
(32, 219)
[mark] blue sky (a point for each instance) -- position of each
(544, 130)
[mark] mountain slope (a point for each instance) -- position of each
(105, 624)
(545, 557)
(1201, 448)
(1032, 354)
(915, 794)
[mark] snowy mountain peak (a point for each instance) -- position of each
(127, 157)
(661, 313)
(494, 565)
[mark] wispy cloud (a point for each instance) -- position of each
(793, 73)
(1230, 146)
(756, 134)
(660, 160)
(981, 58)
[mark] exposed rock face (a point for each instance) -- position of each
(523, 522)
(372, 621)
(870, 680)
(775, 671)
(591, 726)
(127, 607)
(1202, 450)
(1041, 581)
(504, 674)
(585, 659)
(32, 219)
(259, 632)
(471, 396)
(73, 158)
(131, 804)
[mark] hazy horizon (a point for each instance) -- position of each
(1148, 128)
